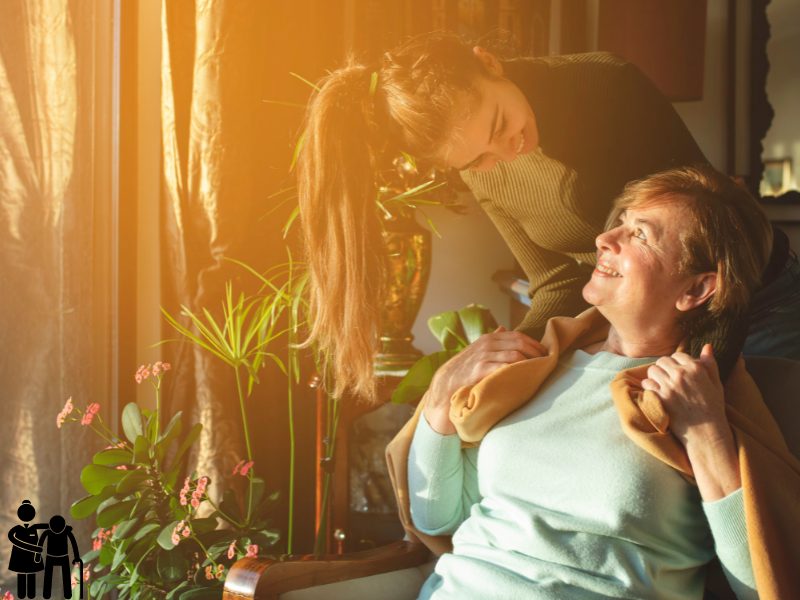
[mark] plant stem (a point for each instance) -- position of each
(291, 456)
(224, 516)
(247, 442)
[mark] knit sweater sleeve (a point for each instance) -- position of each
(556, 281)
(442, 480)
(727, 521)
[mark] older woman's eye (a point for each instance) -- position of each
(640, 234)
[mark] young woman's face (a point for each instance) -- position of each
(501, 127)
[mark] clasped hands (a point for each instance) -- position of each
(693, 396)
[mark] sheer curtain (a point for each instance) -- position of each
(48, 276)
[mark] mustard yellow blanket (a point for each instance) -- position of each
(770, 474)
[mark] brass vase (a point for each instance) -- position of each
(410, 259)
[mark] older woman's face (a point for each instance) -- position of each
(637, 271)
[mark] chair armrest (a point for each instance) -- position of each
(265, 579)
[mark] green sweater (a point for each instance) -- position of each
(557, 502)
(602, 123)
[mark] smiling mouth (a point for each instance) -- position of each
(607, 271)
(521, 142)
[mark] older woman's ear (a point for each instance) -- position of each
(698, 290)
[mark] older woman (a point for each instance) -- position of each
(557, 502)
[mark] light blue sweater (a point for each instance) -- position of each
(557, 502)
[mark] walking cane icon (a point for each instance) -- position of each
(80, 574)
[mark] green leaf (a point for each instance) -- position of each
(220, 548)
(119, 558)
(230, 506)
(269, 503)
(95, 478)
(174, 429)
(115, 456)
(86, 506)
(165, 537)
(106, 554)
(90, 556)
(141, 451)
(214, 593)
(204, 525)
(446, 327)
(173, 564)
(258, 489)
(476, 320)
(132, 421)
(132, 480)
(141, 547)
(297, 149)
(305, 81)
(146, 530)
(127, 528)
(191, 438)
(419, 377)
(178, 590)
(266, 538)
(114, 513)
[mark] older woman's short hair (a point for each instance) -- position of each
(727, 232)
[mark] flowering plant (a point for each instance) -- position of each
(149, 531)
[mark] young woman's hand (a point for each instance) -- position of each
(475, 362)
(694, 399)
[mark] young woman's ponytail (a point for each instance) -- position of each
(345, 249)
(421, 88)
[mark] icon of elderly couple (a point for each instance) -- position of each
(26, 556)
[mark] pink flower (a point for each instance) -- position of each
(87, 417)
(203, 481)
(60, 419)
(236, 468)
(138, 378)
(220, 568)
(158, 363)
(252, 551)
(8, 596)
(146, 373)
(218, 575)
(122, 468)
(246, 468)
(232, 549)
(209, 576)
(166, 366)
(74, 580)
(86, 573)
(156, 370)
(94, 408)
(183, 501)
(140, 369)
(186, 532)
(176, 539)
(68, 406)
(197, 493)
(195, 502)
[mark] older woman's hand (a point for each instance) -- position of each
(694, 399)
(474, 363)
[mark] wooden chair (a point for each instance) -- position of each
(380, 572)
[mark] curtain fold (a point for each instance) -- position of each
(208, 108)
(45, 240)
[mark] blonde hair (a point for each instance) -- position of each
(728, 233)
(422, 87)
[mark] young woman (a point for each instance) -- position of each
(545, 145)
